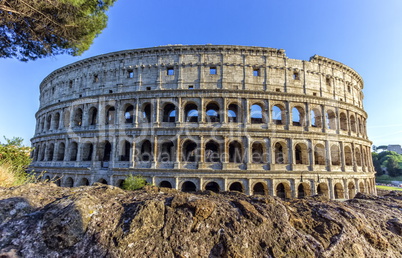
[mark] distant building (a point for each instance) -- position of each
(397, 148)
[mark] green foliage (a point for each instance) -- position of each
(377, 164)
(14, 160)
(37, 29)
(134, 183)
(393, 166)
(386, 179)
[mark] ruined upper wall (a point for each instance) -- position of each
(211, 67)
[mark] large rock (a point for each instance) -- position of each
(44, 220)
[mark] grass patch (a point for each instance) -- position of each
(389, 188)
(11, 176)
(386, 179)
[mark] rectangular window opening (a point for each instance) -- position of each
(130, 74)
(96, 78)
(110, 91)
(191, 86)
(278, 90)
(148, 88)
(314, 93)
(170, 71)
(212, 70)
(256, 72)
(296, 76)
(328, 81)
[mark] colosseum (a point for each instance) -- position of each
(206, 117)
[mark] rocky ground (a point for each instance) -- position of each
(44, 220)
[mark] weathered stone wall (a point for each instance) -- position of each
(207, 117)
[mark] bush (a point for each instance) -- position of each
(14, 160)
(134, 183)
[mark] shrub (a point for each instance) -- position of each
(134, 183)
(14, 160)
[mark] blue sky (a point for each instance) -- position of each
(363, 34)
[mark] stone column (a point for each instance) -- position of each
(268, 153)
(137, 112)
(342, 151)
(290, 153)
(178, 153)
(201, 111)
(180, 73)
(202, 149)
(346, 189)
(156, 152)
(248, 151)
(310, 154)
(328, 161)
(157, 112)
(225, 112)
(179, 111)
(307, 122)
(331, 189)
(247, 112)
(133, 154)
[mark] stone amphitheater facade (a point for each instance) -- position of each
(206, 117)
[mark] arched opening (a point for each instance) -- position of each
(303, 190)
(102, 181)
(165, 184)
(60, 151)
(331, 120)
(212, 113)
(146, 113)
(83, 182)
(169, 113)
(343, 122)
(57, 180)
(257, 152)
(110, 115)
(358, 157)
(73, 151)
(56, 121)
(167, 152)
(129, 114)
(256, 114)
(322, 189)
(120, 183)
(283, 191)
(236, 187)
(298, 116)
(233, 113)
(146, 151)
(212, 153)
(280, 157)
(338, 191)
(93, 116)
(66, 119)
(188, 187)
(351, 190)
(212, 186)
(48, 122)
(50, 152)
(69, 182)
(353, 123)
(301, 155)
(319, 154)
(235, 152)
(316, 119)
(125, 151)
(360, 126)
(189, 151)
(278, 115)
(335, 155)
(107, 151)
(78, 117)
(348, 156)
(191, 113)
(260, 189)
(42, 125)
(362, 189)
(87, 151)
(42, 153)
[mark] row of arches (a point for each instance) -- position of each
(209, 150)
(282, 189)
(170, 112)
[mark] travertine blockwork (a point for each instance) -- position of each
(210, 117)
